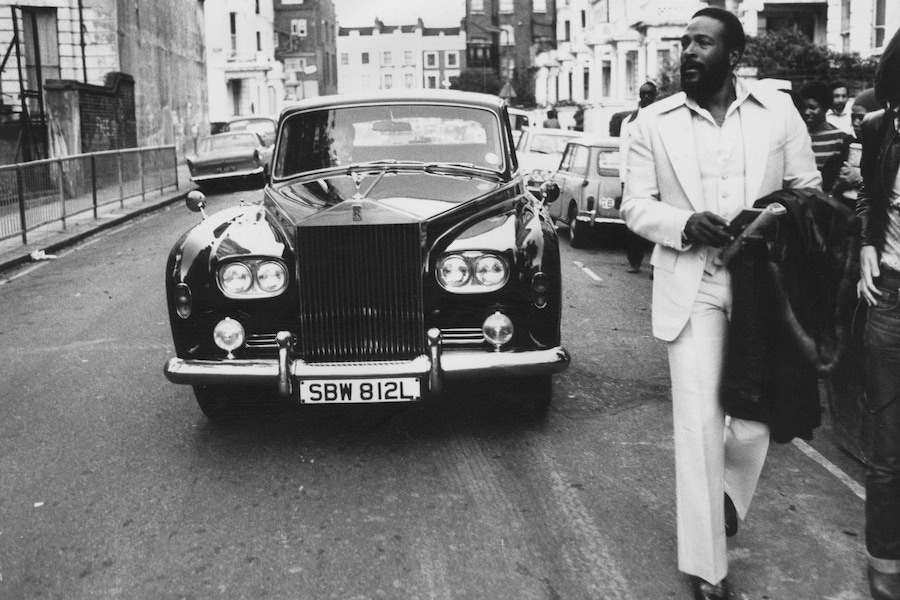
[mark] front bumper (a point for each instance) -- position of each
(436, 368)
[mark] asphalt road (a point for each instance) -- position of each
(113, 485)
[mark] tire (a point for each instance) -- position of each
(226, 403)
(577, 230)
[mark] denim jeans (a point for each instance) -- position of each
(882, 340)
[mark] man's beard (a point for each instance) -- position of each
(711, 78)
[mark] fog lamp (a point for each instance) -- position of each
(228, 335)
(497, 329)
(183, 300)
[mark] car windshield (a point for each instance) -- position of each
(354, 135)
(228, 142)
(548, 144)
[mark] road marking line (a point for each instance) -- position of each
(590, 273)
(831, 468)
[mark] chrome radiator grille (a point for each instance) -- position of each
(360, 293)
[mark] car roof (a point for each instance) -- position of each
(397, 97)
(553, 131)
(596, 140)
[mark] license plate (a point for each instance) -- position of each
(360, 391)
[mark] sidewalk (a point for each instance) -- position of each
(51, 238)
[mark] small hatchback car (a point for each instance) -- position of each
(395, 252)
(590, 190)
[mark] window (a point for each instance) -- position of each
(431, 60)
(258, 41)
(539, 6)
(409, 82)
(601, 11)
(257, 6)
(583, 19)
(845, 26)
(879, 23)
(568, 31)
(507, 35)
(452, 59)
(386, 59)
(388, 81)
(477, 6)
(507, 6)
(365, 58)
(345, 58)
(431, 81)
(606, 79)
(408, 57)
(586, 83)
(580, 160)
(298, 27)
(232, 17)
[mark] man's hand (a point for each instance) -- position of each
(707, 228)
(869, 271)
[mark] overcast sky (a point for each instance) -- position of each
(434, 13)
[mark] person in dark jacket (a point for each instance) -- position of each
(879, 210)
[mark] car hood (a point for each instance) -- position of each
(529, 161)
(385, 197)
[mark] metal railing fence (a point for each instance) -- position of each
(37, 193)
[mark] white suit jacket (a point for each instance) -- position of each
(663, 187)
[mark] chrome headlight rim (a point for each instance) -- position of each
(232, 273)
(473, 283)
(257, 289)
(279, 272)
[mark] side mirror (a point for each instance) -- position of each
(549, 192)
(196, 202)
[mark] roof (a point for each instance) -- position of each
(534, 130)
(596, 140)
(487, 101)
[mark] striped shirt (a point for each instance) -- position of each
(826, 142)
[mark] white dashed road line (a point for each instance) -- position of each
(589, 273)
(831, 468)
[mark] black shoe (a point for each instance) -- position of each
(704, 590)
(731, 518)
(884, 586)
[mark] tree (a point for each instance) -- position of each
(477, 80)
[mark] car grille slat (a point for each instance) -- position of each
(360, 293)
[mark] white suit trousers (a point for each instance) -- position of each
(708, 463)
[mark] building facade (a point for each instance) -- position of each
(84, 41)
(306, 44)
(243, 77)
(399, 56)
(506, 36)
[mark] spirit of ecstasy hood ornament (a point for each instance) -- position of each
(357, 179)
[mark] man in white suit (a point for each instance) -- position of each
(695, 160)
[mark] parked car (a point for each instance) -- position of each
(539, 151)
(389, 269)
(590, 188)
(264, 126)
(519, 119)
(230, 156)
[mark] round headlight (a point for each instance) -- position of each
(497, 329)
(454, 271)
(228, 334)
(271, 276)
(236, 278)
(490, 271)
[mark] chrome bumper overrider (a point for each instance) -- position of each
(436, 368)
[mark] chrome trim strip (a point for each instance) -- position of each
(229, 175)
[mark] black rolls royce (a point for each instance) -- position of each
(395, 252)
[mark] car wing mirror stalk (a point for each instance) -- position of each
(549, 192)
(196, 202)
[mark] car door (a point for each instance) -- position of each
(562, 178)
(573, 179)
